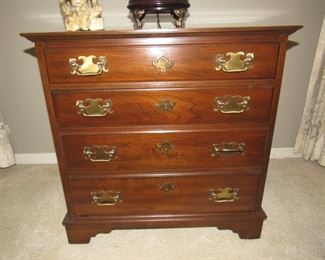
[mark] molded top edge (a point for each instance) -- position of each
(45, 36)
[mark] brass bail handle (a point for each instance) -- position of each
(231, 148)
(232, 104)
(224, 195)
(100, 153)
(106, 198)
(96, 107)
(87, 66)
(235, 63)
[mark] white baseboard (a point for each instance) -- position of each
(284, 153)
(50, 158)
(36, 158)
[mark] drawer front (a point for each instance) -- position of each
(201, 194)
(206, 149)
(153, 107)
(161, 63)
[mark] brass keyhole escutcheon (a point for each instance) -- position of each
(166, 148)
(166, 187)
(165, 105)
(163, 64)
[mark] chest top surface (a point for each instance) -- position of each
(221, 31)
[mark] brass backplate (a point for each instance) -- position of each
(232, 104)
(100, 153)
(223, 195)
(235, 63)
(106, 198)
(87, 66)
(96, 107)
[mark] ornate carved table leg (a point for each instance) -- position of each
(138, 16)
(179, 15)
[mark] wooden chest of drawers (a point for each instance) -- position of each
(163, 128)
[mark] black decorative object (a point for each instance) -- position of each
(177, 8)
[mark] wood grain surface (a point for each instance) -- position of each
(136, 126)
(138, 107)
(139, 151)
(135, 63)
(144, 195)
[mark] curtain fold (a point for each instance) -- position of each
(310, 141)
(7, 157)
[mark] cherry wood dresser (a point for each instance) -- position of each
(163, 128)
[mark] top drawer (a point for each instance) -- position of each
(161, 63)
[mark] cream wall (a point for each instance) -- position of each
(21, 97)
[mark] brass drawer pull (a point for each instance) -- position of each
(100, 153)
(106, 198)
(235, 63)
(222, 195)
(165, 105)
(88, 67)
(166, 148)
(166, 187)
(232, 104)
(228, 148)
(94, 107)
(163, 64)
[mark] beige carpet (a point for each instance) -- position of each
(32, 208)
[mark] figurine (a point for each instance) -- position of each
(82, 15)
(140, 8)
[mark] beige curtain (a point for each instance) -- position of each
(7, 157)
(310, 141)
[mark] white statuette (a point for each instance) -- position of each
(82, 15)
